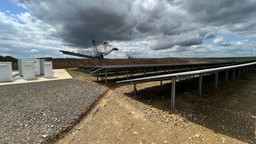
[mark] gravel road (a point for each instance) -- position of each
(33, 112)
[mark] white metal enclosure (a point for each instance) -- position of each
(48, 73)
(42, 66)
(5, 71)
(28, 70)
(36, 66)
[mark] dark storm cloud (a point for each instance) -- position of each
(209, 36)
(226, 13)
(159, 24)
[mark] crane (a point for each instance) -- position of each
(130, 57)
(99, 52)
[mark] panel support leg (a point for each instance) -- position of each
(106, 78)
(234, 73)
(144, 72)
(200, 85)
(216, 79)
(161, 83)
(226, 76)
(173, 93)
(127, 74)
(239, 72)
(135, 90)
(97, 77)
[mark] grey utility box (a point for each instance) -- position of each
(28, 70)
(36, 66)
(48, 73)
(6, 71)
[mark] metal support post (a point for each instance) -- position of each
(216, 79)
(243, 70)
(135, 90)
(169, 70)
(239, 72)
(106, 78)
(185, 68)
(144, 72)
(246, 69)
(178, 69)
(192, 67)
(161, 82)
(132, 73)
(173, 93)
(97, 77)
(234, 73)
(226, 77)
(157, 70)
(200, 85)
(127, 74)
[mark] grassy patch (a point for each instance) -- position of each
(73, 73)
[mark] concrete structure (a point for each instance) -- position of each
(5, 71)
(58, 74)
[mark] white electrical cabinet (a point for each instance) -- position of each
(42, 66)
(28, 70)
(5, 71)
(48, 73)
(37, 69)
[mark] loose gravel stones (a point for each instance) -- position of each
(33, 112)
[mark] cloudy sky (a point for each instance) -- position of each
(141, 28)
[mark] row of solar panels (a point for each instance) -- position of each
(154, 67)
(189, 73)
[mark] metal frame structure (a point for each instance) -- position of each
(149, 68)
(246, 67)
(99, 52)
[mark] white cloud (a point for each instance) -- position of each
(7, 11)
(221, 41)
(34, 50)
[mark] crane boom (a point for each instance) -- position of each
(99, 54)
(77, 54)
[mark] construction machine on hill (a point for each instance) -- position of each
(99, 52)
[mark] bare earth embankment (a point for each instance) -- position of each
(223, 115)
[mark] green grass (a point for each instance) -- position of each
(73, 73)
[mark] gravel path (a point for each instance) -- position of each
(31, 113)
